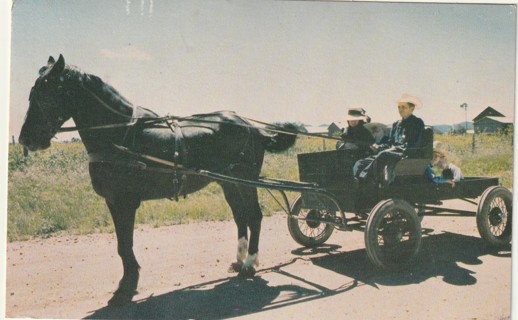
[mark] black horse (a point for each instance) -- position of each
(220, 142)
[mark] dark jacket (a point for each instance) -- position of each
(360, 136)
(407, 133)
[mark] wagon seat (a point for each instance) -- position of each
(412, 167)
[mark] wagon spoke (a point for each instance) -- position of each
(494, 216)
(392, 234)
(498, 216)
(308, 226)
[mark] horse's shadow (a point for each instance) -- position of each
(218, 299)
(232, 297)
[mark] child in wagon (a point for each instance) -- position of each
(450, 172)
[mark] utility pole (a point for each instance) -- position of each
(465, 106)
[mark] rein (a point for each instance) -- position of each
(134, 118)
(164, 120)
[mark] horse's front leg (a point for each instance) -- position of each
(123, 210)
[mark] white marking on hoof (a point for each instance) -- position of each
(251, 261)
(242, 247)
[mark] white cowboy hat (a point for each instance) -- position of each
(410, 99)
(357, 114)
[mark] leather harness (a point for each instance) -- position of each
(132, 162)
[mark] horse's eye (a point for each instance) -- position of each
(45, 84)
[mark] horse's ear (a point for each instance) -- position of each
(42, 70)
(57, 68)
(51, 60)
(61, 62)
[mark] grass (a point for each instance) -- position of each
(50, 191)
(491, 156)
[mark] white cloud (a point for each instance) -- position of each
(126, 53)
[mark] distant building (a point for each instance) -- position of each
(321, 129)
(491, 121)
(324, 129)
(333, 129)
(378, 130)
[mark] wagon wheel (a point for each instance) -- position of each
(392, 234)
(494, 216)
(309, 233)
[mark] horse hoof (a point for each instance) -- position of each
(235, 267)
(246, 273)
(120, 299)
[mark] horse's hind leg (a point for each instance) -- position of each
(247, 214)
(123, 213)
(254, 219)
(235, 202)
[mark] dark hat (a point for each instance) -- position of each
(357, 114)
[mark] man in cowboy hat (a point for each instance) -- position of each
(356, 136)
(405, 133)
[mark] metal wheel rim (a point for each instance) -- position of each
(497, 216)
(311, 229)
(394, 238)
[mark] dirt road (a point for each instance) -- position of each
(184, 276)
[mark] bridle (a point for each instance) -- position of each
(53, 125)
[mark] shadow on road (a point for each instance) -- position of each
(439, 256)
(218, 299)
(230, 297)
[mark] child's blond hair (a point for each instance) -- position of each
(438, 154)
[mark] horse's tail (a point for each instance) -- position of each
(284, 137)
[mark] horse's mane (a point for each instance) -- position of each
(101, 89)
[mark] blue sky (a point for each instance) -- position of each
(300, 61)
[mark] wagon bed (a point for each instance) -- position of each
(332, 170)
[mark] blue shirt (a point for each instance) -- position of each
(432, 177)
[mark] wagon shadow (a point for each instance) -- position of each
(232, 297)
(439, 256)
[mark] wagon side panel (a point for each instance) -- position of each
(331, 170)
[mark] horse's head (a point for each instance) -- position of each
(48, 110)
